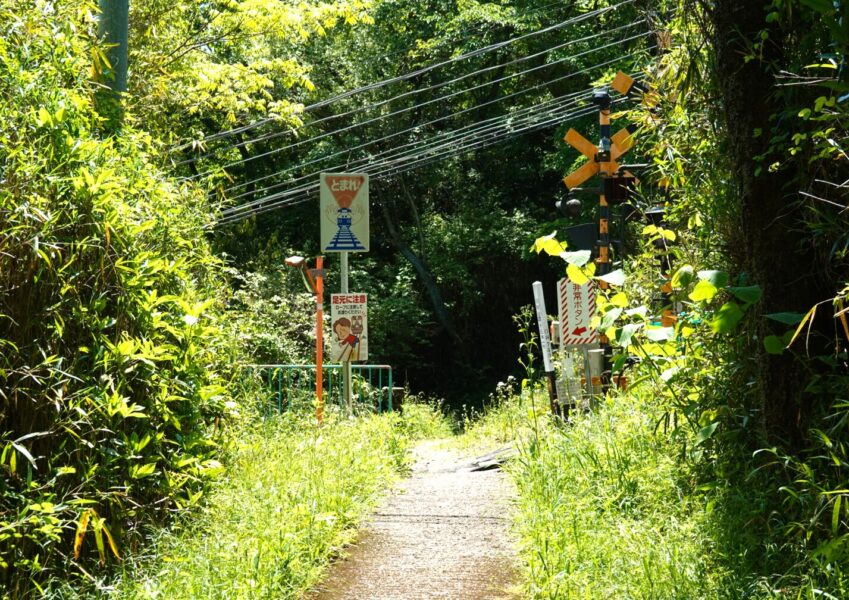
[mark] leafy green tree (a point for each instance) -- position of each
(514, 185)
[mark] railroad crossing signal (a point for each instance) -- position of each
(600, 162)
(603, 160)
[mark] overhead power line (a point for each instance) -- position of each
(306, 194)
(417, 72)
(439, 137)
(431, 122)
(420, 126)
(422, 104)
(407, 163)
(430, 88)
(378, 169)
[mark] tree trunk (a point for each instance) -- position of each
(769, 248)
(443, 315)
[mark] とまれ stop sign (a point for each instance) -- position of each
(344, 212)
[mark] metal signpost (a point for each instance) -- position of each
(314, 279)
(344, 214)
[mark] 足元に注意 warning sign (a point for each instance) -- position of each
(344, 212)
(349, 324)
(577, 308)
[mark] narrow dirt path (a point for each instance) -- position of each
(443, 533)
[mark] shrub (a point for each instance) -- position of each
(109, 390)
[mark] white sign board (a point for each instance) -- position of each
(349, 324)
(577, 307)
(344, 212)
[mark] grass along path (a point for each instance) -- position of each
(605, 509)
(600, 510)
(291, 500)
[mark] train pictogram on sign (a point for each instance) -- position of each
(344, 212)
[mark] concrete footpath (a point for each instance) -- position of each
(443, 533)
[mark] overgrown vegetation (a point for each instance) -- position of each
(111, 378)
(605, 511)
(611, 505)
(126, 319)
(746, 132)
(288, 503)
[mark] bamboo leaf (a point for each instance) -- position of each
(97, 527)
(26, 454)
(82, 527)
(835, 515)
(809, 316)
(139, 472)
(112, 545)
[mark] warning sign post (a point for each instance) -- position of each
(349, 327)
(344, 212)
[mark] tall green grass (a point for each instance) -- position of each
(605, 509)
(291, 499)
(612, 506)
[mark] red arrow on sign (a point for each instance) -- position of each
(579, 330)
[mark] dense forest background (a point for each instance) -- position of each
(142, 238)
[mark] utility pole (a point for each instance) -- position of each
(113, 31)
(347, 373)
(314, 281)
(317, 279)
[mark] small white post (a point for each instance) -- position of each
(545, 344)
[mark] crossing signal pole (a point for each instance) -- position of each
(615, 186)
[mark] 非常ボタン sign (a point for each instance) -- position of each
(577, 308)
(349, 322)
(344, 212)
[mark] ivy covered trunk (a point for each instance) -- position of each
(749, 54)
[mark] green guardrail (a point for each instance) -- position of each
(294, 385)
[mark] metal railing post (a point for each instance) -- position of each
(391, 391)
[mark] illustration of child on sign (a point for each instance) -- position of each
(348, 343)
